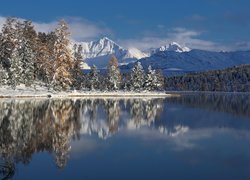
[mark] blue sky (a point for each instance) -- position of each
(203, 24)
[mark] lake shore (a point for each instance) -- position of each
(21, 92)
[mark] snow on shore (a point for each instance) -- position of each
(23, 92)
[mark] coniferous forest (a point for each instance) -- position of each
(236, 79)
(33, 59)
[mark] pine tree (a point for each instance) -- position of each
(22, 70)
(114, 75)
(63, 59)
(137, 78)
(3, 75)
(8, 40)
(93, 82)
(30, 40)
(3, 71)
(160, 79)
(28, 65)
(77, 73)
(16, 74)
(151, 80)
(15, 70)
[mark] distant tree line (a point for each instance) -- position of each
(235, 79)
(33, 58)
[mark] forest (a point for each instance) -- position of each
(235, 79)
(34, 59)
(31, 59)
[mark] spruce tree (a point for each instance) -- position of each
(76, 71)
(137, 78)
(30, 41)
(63, 59)
(16, 69)
(93, 82)
(3, 75)
(160, 80)
(8, 41)
(151, 80)
(3, 71)
(154, 80)
(23, 57)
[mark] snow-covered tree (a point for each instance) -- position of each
(114, 75)
(3, 75)
(160, 80)
(63, 59)
(93, 82)
(8, 40)
(30, 40)
(22, 70)
(3, 71)
(76, 71)
(27, 57)
(15, 70)
(137, 78)
(153, 80)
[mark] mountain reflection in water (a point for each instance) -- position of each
(31, 126)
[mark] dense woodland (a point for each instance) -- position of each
(235, 79)
(33, 59)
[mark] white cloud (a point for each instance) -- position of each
(243, 45)
(84, 30)
(185, 37)
(81, 29)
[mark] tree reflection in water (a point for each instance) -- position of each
(32, 126)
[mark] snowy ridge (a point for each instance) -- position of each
(172, 62)
(99, 52)
(169, 58)
(173, 47)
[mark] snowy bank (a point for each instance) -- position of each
(24, 92)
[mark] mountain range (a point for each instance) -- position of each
(171, 59)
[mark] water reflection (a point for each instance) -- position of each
(31, 126)
(238, 104)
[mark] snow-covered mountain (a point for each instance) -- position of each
(99, 53)
(179, 62)
(172, 58)
(173, 46)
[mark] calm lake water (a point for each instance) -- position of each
(204, 136)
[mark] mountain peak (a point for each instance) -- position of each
(173, 47)
(106, 39)
(99, 52)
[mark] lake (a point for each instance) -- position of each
(194, 136)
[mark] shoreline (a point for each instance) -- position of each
(8, 93)
(12, 94)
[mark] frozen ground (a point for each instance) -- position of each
(22, 91)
